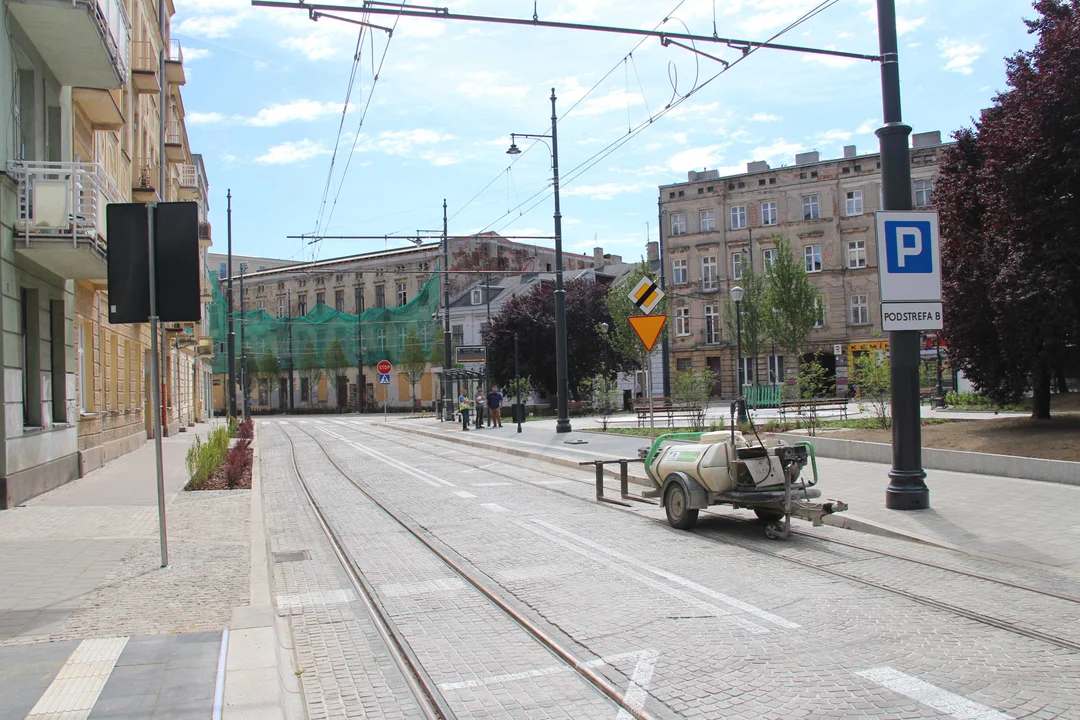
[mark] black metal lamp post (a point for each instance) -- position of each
(563, 423)
(736, 296)
(940, 387)
(519, 409)
(231, 341)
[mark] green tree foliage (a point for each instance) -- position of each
(875, 384)
(310, 370)
(336, 366)
(812, 383)
(754, 311)
(790, 299)
(693, 387)
(414, 361)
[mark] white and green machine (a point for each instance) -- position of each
(692, 471)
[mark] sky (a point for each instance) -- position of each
(310, 142)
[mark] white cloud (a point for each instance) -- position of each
(486, 84)
(688, 111)
(779, 151)
(209, 26)
(696, 158)
(228, 159)
(765, 117)
(905, 25)
(606, 191)
(959, 55)
(614, 100)
(834, 135)
(404, 142)
(210, 7)
(260, 65)
(203, 118)
(679, 137)
(196, 53)
(302, 109)
(868, 127)
(653, 147)
(292, 152)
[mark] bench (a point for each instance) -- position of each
(694, 414)
(577, 409)
(838, 406)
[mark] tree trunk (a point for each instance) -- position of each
(1040, 400)
(1059, 374)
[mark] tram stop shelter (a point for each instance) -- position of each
(456, 378)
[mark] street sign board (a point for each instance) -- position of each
(646, 295)
(384, 378)
(648, 328)
(911, 316)
(471, 354)
(384, 367)
(838, 350)
(909, 257)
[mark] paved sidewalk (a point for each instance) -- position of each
(1021, 520)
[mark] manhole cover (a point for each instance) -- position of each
(290, 556)
(576, 442)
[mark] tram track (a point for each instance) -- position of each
(429, 697)
(726, 539)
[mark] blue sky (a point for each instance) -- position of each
(266, 89)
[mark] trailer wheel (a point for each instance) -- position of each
(768, 516)
(679, 516)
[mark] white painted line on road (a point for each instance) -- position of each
(363, 449)
(415, 472)
(549, 482)
(423, 587)
(330, 597)
(931, 695)
(485, 467)
(636, 692)
(463, 494)
(494, 508)
(490, 484)
(539, 672)
(687, 598)
(696, 587)
(75, 689)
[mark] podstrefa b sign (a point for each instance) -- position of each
(909, 270)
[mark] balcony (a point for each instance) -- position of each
(187, 180)
(174, 64)
(144, 189)
(144, 67)
(61, 223)
(204, 235)
(174, 142)
(206, 294)
(101, 107)
(84, 42)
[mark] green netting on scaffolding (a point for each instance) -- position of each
(327, 338)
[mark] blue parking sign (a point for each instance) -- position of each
(909, 246)
(909, 256)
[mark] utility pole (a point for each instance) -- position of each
(907, 489)
(360, 386)
(665, 348)
(292, 362)
(447, 364)
(232, 335)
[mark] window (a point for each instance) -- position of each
(682, 321)
(281, 309)
(683, 364)
(768, 257)
(768, 213)
(58, 356)
(359, 300)
(860, 310)
(380, 296)
(819, 312)
(678, 223)
(301, 304)
(380, 339)
(812, 255)
(476, 296)
(305, 389)
(924, 193)
(84, 368)
(856, 254)
(736, 265)
(746, 372)
(810, 209)
(224, 269)
(708, 272)
(457, 334)
(402, 294)
(853, 203)
(260, 305)
(320, 298)
(679, 271)
(707, 220)
(712, 325)
(402, 336)
(776, 369)
(738, 217)
(339, 300)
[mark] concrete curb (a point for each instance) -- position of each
(1012, 466)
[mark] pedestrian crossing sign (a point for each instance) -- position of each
(384, 378)
(646, 295)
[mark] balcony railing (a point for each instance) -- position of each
(174, 133)
(84, 42)
(113, 18)
(176, 53)
(186, 176)
(143, 56)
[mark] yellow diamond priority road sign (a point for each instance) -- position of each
(646, 295)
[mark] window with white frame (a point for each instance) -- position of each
(746, 372)
(768, 257)
(457, 334)
(810, 208)
(768, 213)
(678, 271)
(819, 311)
(776, 369)
(380, 338)
(737, 259)
(282, 308)
(853, 204)
(678, 223)
(260, 305)
(708, 272)
(477, 296)
(712, 325)
(924, 193)
(860, 310)
(856, 254)
(812, 255)
(738, 217)
(707, 220)
(402, 294)
(682, 321)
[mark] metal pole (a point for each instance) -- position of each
(448, 389)
(155, 393)
(292, 367)
(648, 389)
(517, 383)
(243, 347)
(665, 348)
(232, 334)
(940, 389)
(487, 350)
(907, 489)
(741, 418)
(360, 387)
(563, 423)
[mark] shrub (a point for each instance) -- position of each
(204, 458)
(238, 462)
(234, 425)
(246, 430)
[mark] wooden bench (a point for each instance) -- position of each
(578, 409)
(838, 406)
(692, 413)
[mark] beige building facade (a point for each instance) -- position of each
(825, 209)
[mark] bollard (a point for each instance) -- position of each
(599, 480)
(624, 480)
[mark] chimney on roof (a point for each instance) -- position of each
(598, 255)
(652, 251)
(612, 259)
(695, 175)
(926, 139)
(757, 166)
(849, 151)
(807, 157)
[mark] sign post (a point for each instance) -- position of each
(646, 295)
(384, 367)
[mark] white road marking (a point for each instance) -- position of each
(302, 422)
(75, 689)
(494, 508)
(549, 482)
(490, 484)
(645, 580)
(463, 494)
(415, 472)
(331, 597)
(485, 467)
(931, 695)
(421, 588)
(539, 672)
(696, 587)
(636, 692)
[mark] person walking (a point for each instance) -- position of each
(463, 407)
(480, 400)
(494, 401)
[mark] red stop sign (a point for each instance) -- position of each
(384, 367)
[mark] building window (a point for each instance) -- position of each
(812, 255)
(924, 193)
(768, 257)
(736, 265)
(402, 335)
(260, 305)
(320, 298)
(281, 309)
(707, 220)
(853, 203)
(810, 209)
(224, 269)
(856, 254)
(457, 334)
(738, 217)
(768, 213)
(746, 372)
(359, 300)
(477, 296)
(819, 312)
(301, 305)
(860, 310)
(678, 223)
(380, 296)
(682, 321)
(380, 339)
(305, 389)
(402, 294)
(679, 271)
(683, 364)
(708, 273)
(339, 300)
(776, 369)
(712, 325)
(84, 368)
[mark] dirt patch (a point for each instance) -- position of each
(1057, 439)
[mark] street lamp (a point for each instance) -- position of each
(736, 296)
(563, 423)
(519, 409)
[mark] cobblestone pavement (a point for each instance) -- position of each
(715, 623)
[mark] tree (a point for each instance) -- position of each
(811, 383)
(1008, 200)
(336, 366)
(693, 387)
(269, 369)
(875, 384)
(413, 362)
(754, 310)
(310, 370)
(791, 299)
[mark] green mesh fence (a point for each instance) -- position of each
(326, 338)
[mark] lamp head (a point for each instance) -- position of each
(603, 328)
(514, 149)
(736, 294)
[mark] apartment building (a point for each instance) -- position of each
(83, 86)
(825, 209)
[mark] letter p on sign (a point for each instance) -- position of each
(908, 246)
